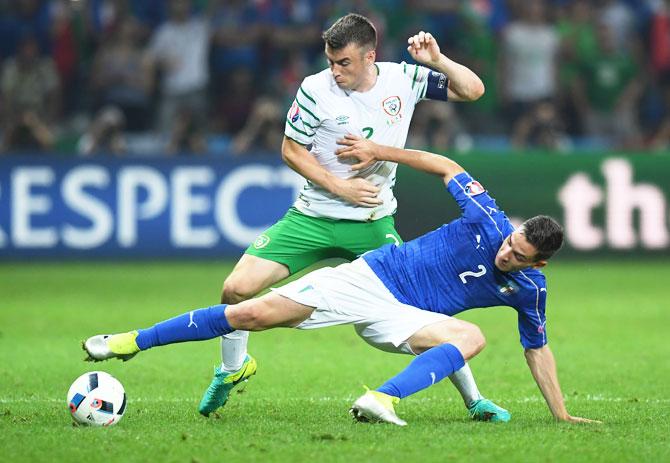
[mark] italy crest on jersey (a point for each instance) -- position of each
(508, 288)
(294, 112)
(392, 105)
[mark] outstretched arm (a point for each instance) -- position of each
(367, 152)
(464, 85)
(357, 191)
(543, 367)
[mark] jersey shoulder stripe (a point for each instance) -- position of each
(302, 90)
(416, 73)
(304, 108)
(298, 130)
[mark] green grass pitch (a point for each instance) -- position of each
(607, 324)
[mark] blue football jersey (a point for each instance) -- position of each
(452, 269)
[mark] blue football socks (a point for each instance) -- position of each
(425, 370)
(195, 325)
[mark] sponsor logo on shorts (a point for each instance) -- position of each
(261, 241)
(474, 188)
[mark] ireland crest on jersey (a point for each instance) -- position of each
(392, 105)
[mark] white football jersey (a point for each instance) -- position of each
(322, 113)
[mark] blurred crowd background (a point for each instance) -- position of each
(153, 77)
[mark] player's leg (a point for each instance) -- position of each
(479, 407)
(361, 237)
(442, 344)
(269, 311)
(442, 348)
(251, 275)
(292, 244)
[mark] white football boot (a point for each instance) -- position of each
(376, 407)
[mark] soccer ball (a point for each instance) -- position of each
(96, 398)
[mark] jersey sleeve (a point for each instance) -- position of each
(532, 320)
(476, 205)
(303, 118)
(426, 84)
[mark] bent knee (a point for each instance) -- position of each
(247, 315)
(471, 340)
(236, 290)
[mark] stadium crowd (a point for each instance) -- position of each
(141, 77)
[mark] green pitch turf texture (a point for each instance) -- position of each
(608, 327)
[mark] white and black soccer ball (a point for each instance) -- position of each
(96, 398)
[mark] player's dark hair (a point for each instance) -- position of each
(352, 28)
(545, 234)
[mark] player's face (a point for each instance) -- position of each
(350, 65)
(516, 253)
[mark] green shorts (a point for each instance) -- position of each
(299, 240)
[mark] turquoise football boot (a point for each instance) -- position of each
(223, 382)
(485, 410)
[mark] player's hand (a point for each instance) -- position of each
(424, 48)
(358, 191)
(579, 420)
(362, 149)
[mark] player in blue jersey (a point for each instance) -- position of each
(403, 298)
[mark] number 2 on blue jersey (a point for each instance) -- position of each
(482, 272)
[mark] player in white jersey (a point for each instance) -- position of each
(341, 212)
(323, 112)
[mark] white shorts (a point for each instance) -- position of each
(352, 294)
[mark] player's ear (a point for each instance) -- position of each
(370, 56)
(539, 264)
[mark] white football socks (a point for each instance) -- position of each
(465, 383)
(233, 350)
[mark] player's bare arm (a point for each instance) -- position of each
(543, 367)
(368, 152)
(464, 85)
(357, 191)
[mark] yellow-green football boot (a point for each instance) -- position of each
(108, 346)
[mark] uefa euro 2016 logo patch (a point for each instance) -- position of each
(294, 112)
(474, 188)
(261, 241)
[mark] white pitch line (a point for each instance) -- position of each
(518, 400)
